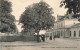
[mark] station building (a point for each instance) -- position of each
(65, 28)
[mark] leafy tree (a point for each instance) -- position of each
(37, 16)
(73, 6)
(6, 18)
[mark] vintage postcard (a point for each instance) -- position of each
(39, 24)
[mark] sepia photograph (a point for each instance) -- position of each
(39, 24)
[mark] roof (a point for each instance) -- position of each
(72, 26)
(76, 25)
(66, 20)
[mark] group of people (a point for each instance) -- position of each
(42, 38)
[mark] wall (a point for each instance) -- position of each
(77, 32)
(70, 22)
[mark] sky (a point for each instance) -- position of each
(19, 6)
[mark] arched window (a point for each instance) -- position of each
(74, 33)
(79, 33)
(70, 33)
(61, 33)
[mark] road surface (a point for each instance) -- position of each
(58, 44)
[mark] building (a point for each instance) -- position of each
(75, 31)
(49, 33)
(65, 27)
(62, 28)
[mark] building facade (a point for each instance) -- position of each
(75, 31)
(62, 28)
(66, 27)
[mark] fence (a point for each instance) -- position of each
(16, 38)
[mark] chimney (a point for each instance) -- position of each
(70, 15)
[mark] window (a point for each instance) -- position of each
(61, 33)
(74, 33)
(57, 25)
(58, 33)
(61, 25)
(79, 33)
(70, 33)
(53, 33)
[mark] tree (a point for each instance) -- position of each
(37, 16)
(73, 6)
(6, 18)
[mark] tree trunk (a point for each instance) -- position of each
(37, 31)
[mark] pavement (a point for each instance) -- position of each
(57, 44)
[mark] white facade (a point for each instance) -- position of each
(75, 31)
(62, 28)
(66, 27)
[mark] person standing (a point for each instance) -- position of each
(43, 38)
(50, 37)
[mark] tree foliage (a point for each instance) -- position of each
(73, 6)
(37, 16)
(6, 18)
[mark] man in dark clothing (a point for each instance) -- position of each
(50, 37)
(43, 38)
